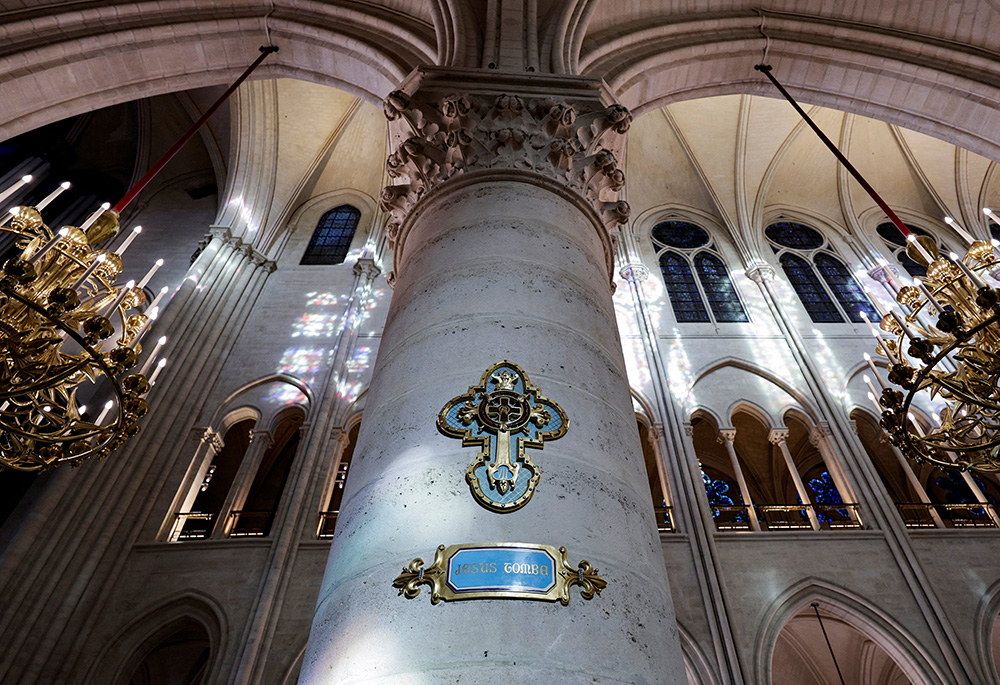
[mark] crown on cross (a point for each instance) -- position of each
(504, 379)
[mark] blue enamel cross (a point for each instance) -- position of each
(503, 414)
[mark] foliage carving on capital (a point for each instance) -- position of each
(442, 137)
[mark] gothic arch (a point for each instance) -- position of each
(696, 664)
(681, 58)
(125, 51)
(862, 615)
(987, 632)
(126, 649)
(252, 395)
(752, 368)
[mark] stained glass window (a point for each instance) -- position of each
(826, 493)
(722, 298)
(827, 289)
(814, 296)
(681, 288)
(687, 250)
(847, 291)
(994, 231)
(333, 235)
(722, 494)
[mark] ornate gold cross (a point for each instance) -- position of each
(503, 414)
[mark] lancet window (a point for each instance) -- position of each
(827, 289)
(333, 235)
(896, 244)
(697, 279)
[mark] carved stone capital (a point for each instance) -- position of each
(260, 436)
(634, 273)
(439, 132)
(365, 266)
(778, 436)
(884, 273)
(760, 273)
(213, 440)
(819, 434)
(727, 435)
(688, 429)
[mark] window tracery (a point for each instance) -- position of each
(824, 284)
(332, 238)
(695, 275)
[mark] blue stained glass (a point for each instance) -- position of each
(719, 289)
(957, 492)
(891, 234)
(333, 235)
(679, 234)
(718, 491)
(845, 288)
(826, 493)
(682, 289)
(815, 299)
(795, 236)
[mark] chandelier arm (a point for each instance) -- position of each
(96, 356)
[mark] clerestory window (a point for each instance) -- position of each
(896, 244)
(827, 289)
(697, 281)
(333, 235)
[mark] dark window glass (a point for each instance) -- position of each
(332, 237)
(722, 297)
(888, 232)
(683, 291)
(679, 234)
(795, 236)
(847, 291)
(994, 231)
(807, 286)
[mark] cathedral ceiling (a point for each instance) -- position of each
(743, 161)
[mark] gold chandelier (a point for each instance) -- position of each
(944, 341)
(65, 324)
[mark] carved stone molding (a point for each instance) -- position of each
(727, 435)
(574, 138)
(213, 440)
(634, 273)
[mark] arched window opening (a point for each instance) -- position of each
(685, 250)
(954, 497)
(898, 476)
(802, 655)
(823, 283)
(197, 523)
(727, 505)
(825, 496)
(179, 658)
(333, 235)
(255, 517)
(894, 241)
(662, 509)
(328, 517)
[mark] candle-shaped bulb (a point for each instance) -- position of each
(972, 275)
(128, 241)
(987, 211)
(52, 196)
(27, 178)
(95, 216)
(49, 245)
(959, 230)
(921, 250)
(11, 190)
(152, 355)
(149, 274)
(156, 371)
(160, 296)
(107, 410)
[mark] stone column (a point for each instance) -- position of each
(819, 437)
(260, 442)
(779, 437)
(726, 437)
(503, 198)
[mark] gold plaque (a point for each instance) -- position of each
(500, 570)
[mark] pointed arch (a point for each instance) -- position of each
(756, 370)
(696, 663)
(859, 613)
(987, 632)
(125, 650)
